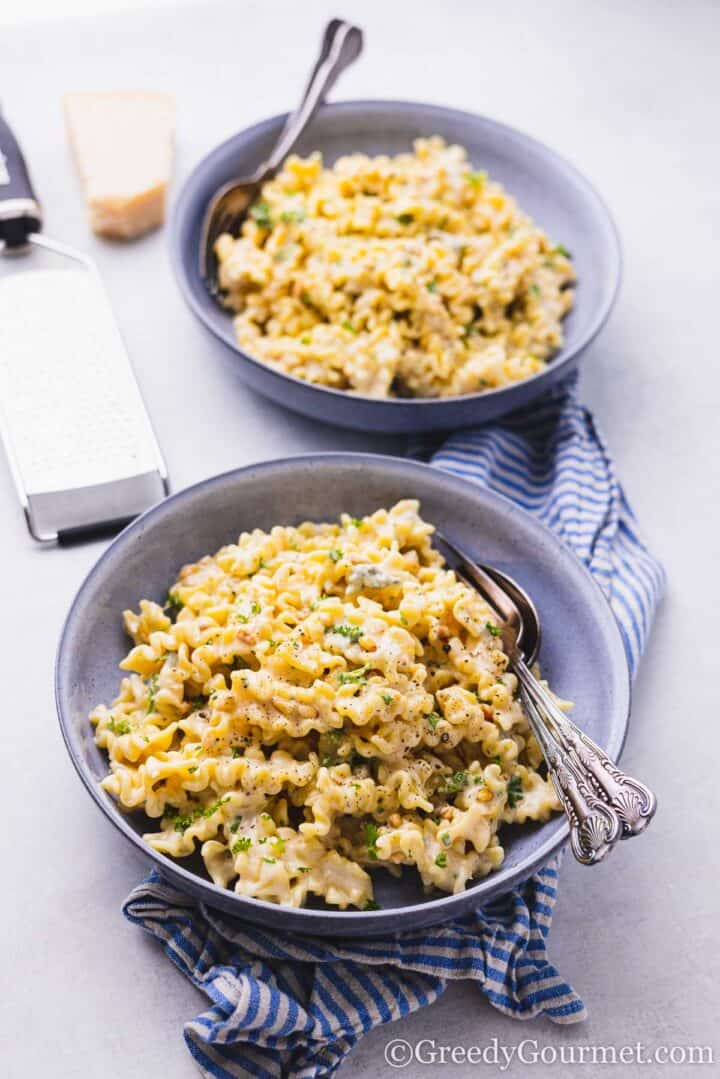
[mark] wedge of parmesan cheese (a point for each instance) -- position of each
(122, 142)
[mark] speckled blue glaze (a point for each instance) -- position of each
(545, 185)
(582, 652)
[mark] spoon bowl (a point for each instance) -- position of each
(510, 600)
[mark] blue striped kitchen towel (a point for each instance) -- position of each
(284, 1005)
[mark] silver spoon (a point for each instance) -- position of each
(342, 44)
(601, 802)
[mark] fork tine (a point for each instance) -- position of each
(484, 583)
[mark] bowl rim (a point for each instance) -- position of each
(556, 364)
(497, 883)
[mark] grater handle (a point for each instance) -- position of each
(20, 213)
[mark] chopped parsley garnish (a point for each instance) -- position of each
(288, 216)
(173, 601)
(445, 839)
(477, 177)
(119, 726)
(306, 298)
(405, 219)
(260, 214)
(433, 720)
(372, 905)
(353, 633)
(441, 860)
(371, 838)
(356, 677)
(152, 684)
(455, 783)
(270, 861)
(303, 869)
(514, 791)
(241, 845)
(356, 522)
(431, 286)
(305, 340)
(183, 821)
(335, 555)
(236, 752)
(561, 250)
(241, 618)
(255, 608)
(347, 325)
(387, 698)
(193, 769)
(535, 289)
(493, 630)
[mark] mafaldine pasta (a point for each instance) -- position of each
(311, 704)
(407, 276)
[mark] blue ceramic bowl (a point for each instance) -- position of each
(545, 185)
(582, 652)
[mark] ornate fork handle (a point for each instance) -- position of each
(601, 802)
(632, 802)
(595, 827)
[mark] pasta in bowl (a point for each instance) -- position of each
(416, 342)
(315, 702)
(408, 276)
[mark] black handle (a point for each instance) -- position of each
(68, 537)
(20, 213)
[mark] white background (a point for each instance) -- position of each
(15, 13)
(629, 92)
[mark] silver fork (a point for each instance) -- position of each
(601, 802)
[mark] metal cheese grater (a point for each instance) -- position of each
(82, 451)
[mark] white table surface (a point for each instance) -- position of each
(626, 91)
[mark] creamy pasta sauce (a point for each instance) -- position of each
(413, 275)
(314, 702)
